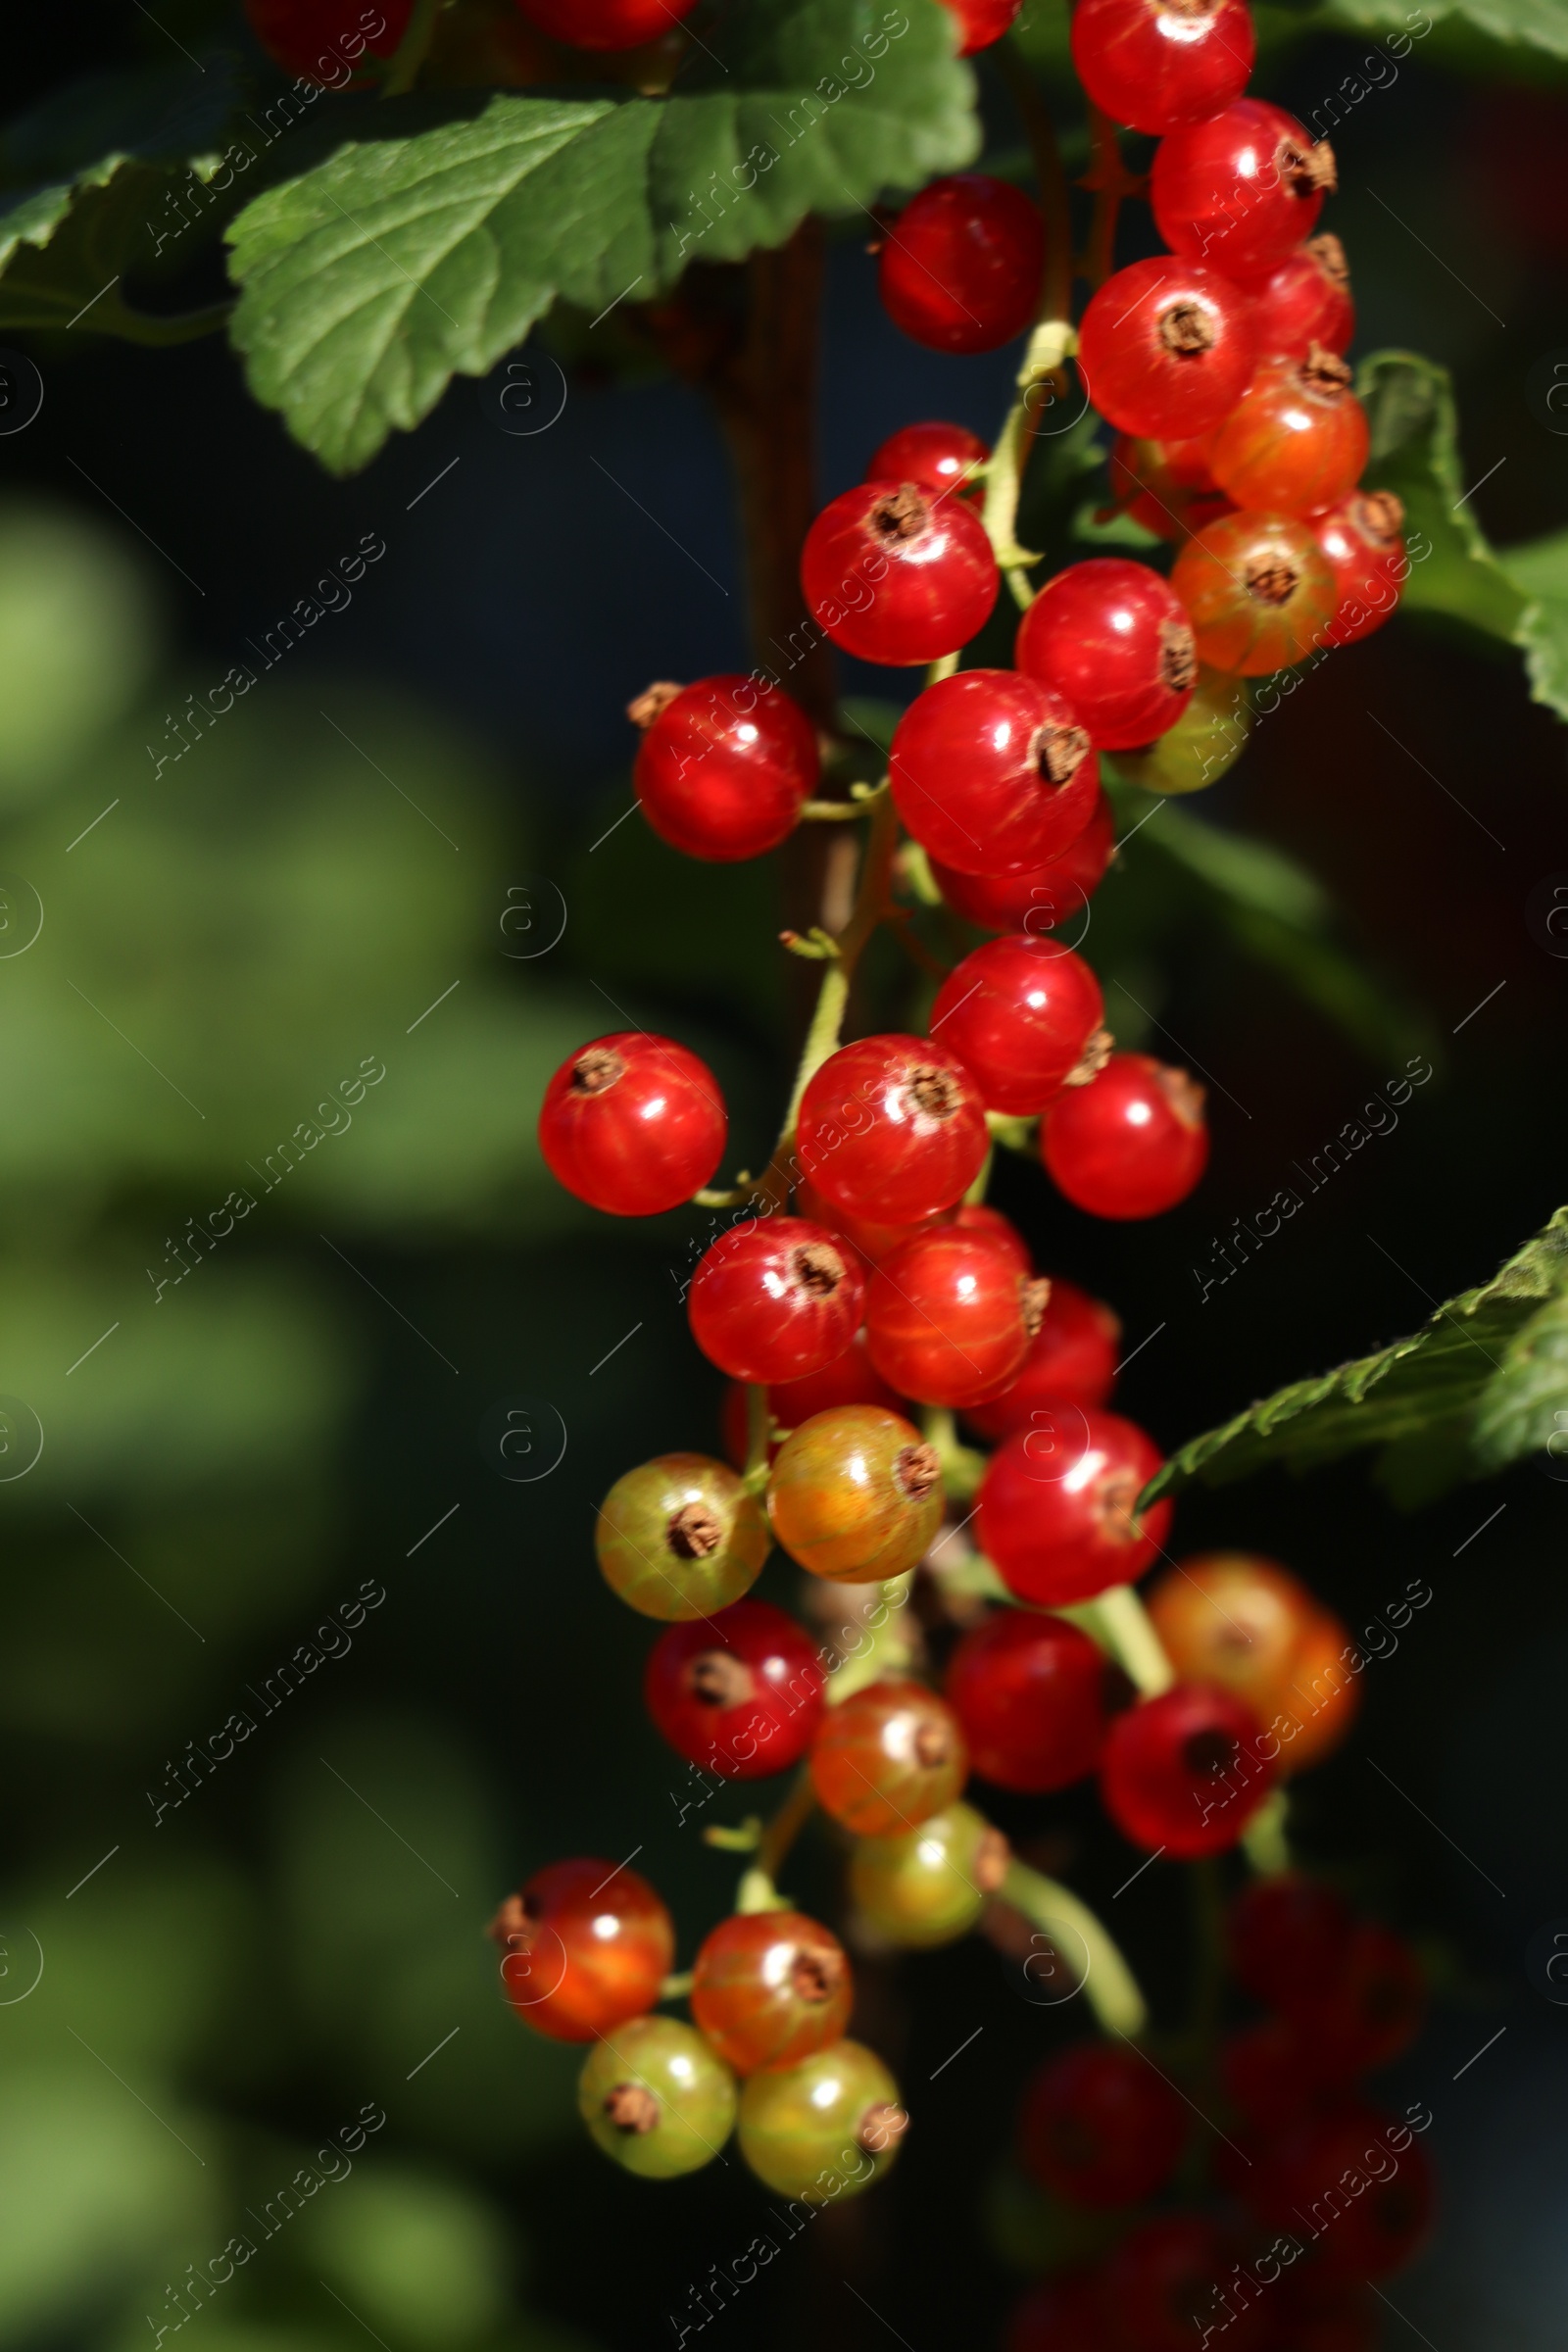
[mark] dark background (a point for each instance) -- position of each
(274, 1953)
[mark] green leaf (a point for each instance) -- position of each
(1541, 24)
(369, 281)
(1541, 570)
(1410, 407)
(1484, 1381)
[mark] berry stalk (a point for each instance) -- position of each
(1112, 1988)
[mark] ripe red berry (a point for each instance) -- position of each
(1155, 64)
(850, 1378)
(1071, 1361)
(1024, 1015)
(1363, 540)
(1041, 896)
(605, 23)
(1186, 1771)
(1166, 485)
(891, 1127)
(894, 578)
(1164, 2284)
(724, 767)
(1032, 1693)
(1272, 2077)
(1297, 440)
(679, 1536)
(775, 1299)
(1057, 1506)
(1112, 636)
(978, 1216)
(1285, 1936)
(935, 458)
(739, 1694)
(1306, 300)
(1259, 592)
(1365, 2007)
(1166, 348)
(1305, 2178)
(949, 1315)
(961, 265)
(887, 1758)
(855, 1495)
(632, 1124)
(325, 40)
(585, 1946)
(1239, 191)
(769, 1988)
(993, 772)
(981, 22)
(1100, 2126)
(1129, 1143)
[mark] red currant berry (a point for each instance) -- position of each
(962, 266)
(739, 1694)
(824, 2130)
(850, 1378)
(769, 1988)
(632, 1124)
(1363, 540)
(887, 1758)
(1296, 439)
(1024, 1017)
(656, 2099)
(1057, 1512)
(977, 1216)
(1062, 2313)
(949, 1316)
(1041, 896)
(1361, 2237)
(585, 1946)
(1184, 1772)
(894, 578)
(1129, 1143)
(935, 458)
(1317, 1710)
(855, 1495)
(308, 37)
(1166, 485)
(993, 772)
(1272, 2077)
(1286, 1936)
(1072, 1360)
(724, 767)
(775, 1299)
(930, 1885)
(1306, 300)
(679, 1536)
(605, 23)
(1166, 348)
(1259, 592)
(1030, 1692)
(1164, 2284)
(1158, 65)
(1239, 191)
(1359, 2005)
(1231, 1618)
(1100, 2126)
(1112, 637)
(892, 1126)
(981, 22)
(1203, 745)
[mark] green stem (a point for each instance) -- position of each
(759, 1432)
(676, 1988)
(1112, 1988)
(412, 51)
(1264, 1840)
(1121, 1623)
(890, 1648)
(757, 1891)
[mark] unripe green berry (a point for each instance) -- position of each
(1208, 739)
(656, 2098)
(825, 2128)
(679, 1536)
(930, 1885)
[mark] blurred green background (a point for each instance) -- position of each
(366, 864)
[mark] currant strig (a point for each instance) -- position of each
(1072, 1360)
(850, 1378)
(1184, 1772)
(1166, 485)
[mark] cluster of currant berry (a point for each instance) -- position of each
(1314, 2192)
